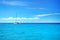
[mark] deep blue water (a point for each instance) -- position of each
(29, 31)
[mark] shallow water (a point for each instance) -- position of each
(29, 31)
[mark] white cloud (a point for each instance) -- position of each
(35, 18)
(42, 15)
(22, 18)
(38, 8)
(14, 3)
(43, 8)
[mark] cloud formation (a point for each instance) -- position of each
(22, 18)
(42, 15)
(35, 18)
(38, 8)
(14, 3)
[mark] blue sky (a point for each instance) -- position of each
(30, 10)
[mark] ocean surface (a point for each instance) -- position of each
(30, 31)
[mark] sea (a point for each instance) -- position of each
(35, 31)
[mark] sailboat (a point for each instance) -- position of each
(16, 20)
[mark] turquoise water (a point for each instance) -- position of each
(29, 31)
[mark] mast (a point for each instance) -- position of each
(16, 20)
(16, 17)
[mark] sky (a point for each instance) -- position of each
(32, 11)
